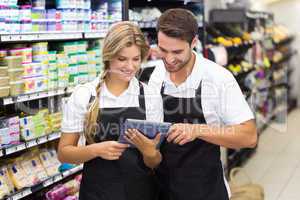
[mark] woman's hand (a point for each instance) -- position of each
(109, 150)
(145, 145)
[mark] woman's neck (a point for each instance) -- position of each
(115, 86)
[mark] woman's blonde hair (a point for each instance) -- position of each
(121, 35)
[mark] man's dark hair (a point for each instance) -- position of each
(178, 23)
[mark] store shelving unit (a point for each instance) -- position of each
(149, 26)
(51, 36)
(35, 96)
(28, 144)
(51, 98)
(253, 21)
(44, 184)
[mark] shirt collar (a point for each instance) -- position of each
(133, 89)
(193, 80)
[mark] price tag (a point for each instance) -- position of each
(7, 101)
(4, 38)
(26, 192)
(57, 178)
(16, 196)
(54, 136)
(42, 140)
(15, 37)
(14, 149)
(31, 143)
(21, 194)
(48, 182)
(67, 173)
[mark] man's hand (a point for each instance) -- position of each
(181, 133)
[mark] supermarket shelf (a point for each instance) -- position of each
(284, 59)
(152, 24)
(28, 144)
(40, 36)
(270, 87)
(33, 96)
(54, 179)
(94, 35)
(284, 41)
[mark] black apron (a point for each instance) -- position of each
(192, 171)
(125, 179)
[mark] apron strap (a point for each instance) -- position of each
(162, 89)
(142, 97)
(198, 90)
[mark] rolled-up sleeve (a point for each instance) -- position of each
(234, 107)
(75, 109)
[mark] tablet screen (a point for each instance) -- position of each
(148, 128)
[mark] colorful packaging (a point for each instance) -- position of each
(57, 193)
(13, 62)
(25, 13)
(49, 161)
(6, 186)
(33, 168)
(16, 88)
(25, 53)
(15, 74)
(39, 48)
(3, 71)
(4, 91)
(3, 54)
(4, 81)
(39, 4)
(18, 175)
(26, 26)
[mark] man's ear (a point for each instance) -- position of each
(194, 42)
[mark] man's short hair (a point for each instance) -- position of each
(178, 23)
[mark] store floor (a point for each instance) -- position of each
(276, 163)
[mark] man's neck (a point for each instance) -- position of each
(180, 76)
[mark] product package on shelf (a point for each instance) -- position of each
(18, 175)
(9, 130)
(68, 15)
(6, 186)
(33, 167)
(11, 73)
(37, 125)
(30, 69)
(50, 161)
(55, 121)
(66, 191)
(4, 78)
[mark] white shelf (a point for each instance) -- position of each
(152, 24)
(54, 179)
(38, 95)
(40, 36)
(20, 194)
(91, 35)
(28, 144)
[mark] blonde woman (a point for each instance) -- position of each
(112, 170)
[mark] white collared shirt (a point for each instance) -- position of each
(222, 100)
(76, 107)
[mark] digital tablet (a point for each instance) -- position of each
(147, 128)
